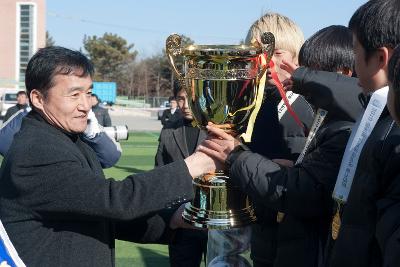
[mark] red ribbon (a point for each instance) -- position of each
(283, 93)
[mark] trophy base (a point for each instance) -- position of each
(218, 205)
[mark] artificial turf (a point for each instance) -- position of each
(137, 156)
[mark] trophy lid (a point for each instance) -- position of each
(222, 50)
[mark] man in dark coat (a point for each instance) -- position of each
(55, 203)
(101, 113)
(189, 245)
(22, 103)
(172, 117)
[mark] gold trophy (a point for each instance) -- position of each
(225, 86)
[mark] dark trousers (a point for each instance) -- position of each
(188, 248)
(263, 244)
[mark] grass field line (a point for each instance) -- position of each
(140, 146)
(153, 134)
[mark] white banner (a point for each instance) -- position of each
(356, 142)
(282, 107)
(319, 118)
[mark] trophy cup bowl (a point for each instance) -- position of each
(223, 84)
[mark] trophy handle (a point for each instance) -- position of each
(173, 49)
(268, 46)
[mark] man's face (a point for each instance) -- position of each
(22, 99)
(173, 104)
(369, 72)
(68, 103)
(279, 55)
(183, 105)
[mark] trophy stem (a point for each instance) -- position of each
(218, 204)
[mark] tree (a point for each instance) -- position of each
(49, 40)
(110, 55)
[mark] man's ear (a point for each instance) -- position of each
(37, 99)
(347, 72)
(383, 54)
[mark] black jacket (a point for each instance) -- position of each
(102, 115)
(283, 138)
(370, 218)
(303, 192)
(58, 208)
(275, 138)
(173, 145)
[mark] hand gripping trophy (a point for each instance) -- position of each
(225, 86)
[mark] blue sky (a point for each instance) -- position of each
(147, 24)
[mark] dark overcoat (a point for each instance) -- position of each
(59, 210)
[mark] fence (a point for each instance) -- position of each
(141, 102)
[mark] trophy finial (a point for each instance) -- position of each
(173, 44)
(268, 44)
(173, 47)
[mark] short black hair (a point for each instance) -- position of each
(329, 49)
(21, 93)
(51, 61)
(394, 78)
(171, 98)
(376, 24)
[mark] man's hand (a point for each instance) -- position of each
(200, 163)
(93, 127)
(218, 144)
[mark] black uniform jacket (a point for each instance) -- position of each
(369, 234)
(58, 208)
(303, 192)
(172, 145)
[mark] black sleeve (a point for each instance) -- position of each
(148, 229)
(331, 91)
(388, 204)
(159, 158)
(67, 188)
(303, 190)
(388, 230)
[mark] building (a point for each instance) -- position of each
(22, 33)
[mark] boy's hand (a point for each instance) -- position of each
(290, 67)
(218, 143)
(287, 85)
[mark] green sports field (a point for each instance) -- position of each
(137, 156)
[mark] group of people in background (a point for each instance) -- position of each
(326, 192)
